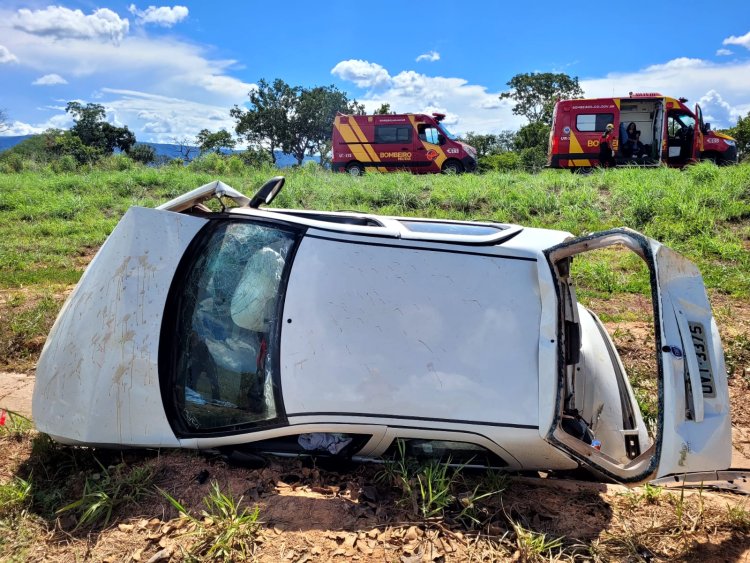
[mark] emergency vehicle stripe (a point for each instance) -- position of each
(362, 139)
(350, 138)
(617, 102)
(575, 148)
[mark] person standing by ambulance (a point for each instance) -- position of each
(606, 155)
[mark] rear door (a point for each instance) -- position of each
(589, 124)
(698, 135)
(693, 431)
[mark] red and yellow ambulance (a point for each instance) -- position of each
(649, 129)
(416, 143)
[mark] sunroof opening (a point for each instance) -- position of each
(451, 228)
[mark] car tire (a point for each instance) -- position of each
(452, 167)
(355, 169)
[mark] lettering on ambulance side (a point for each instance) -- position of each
(592, 143)
(713, 140)
(451, 151)
(396, 155)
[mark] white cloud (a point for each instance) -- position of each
(6, 56)
(162, 119)
(363, 73)
(49, 80)
(60, 121)
(691, 78)
(743, 40)
(468, 107)
(724, 52)
(429, 56)
(716, 110)
(62, 23)
(163, 15)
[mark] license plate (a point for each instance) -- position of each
(698, 335)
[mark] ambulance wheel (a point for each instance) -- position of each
(452, 167)
(355, 169)
(582, 170)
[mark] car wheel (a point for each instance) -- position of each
(355, 169)
(452, 167)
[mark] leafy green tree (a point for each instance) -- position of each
(535, 94)
(741, 133)
(532, 135)
(68, 144)
(485, 144)
(291, 118)
(312, 121)
(265, 124)
(93, 131)
(384, 109)
(145, 154)
(218, 142)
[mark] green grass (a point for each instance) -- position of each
(224, 533)
(48, 221)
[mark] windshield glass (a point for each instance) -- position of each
(447, 133)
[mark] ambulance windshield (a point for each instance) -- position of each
(447, 133)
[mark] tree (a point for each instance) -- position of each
(741, 133)
(93, 131)
(291, 118)
(265, 124)
(145, 154)
(532, 135)
(535, 94)
(184, 148)
(215, 142)
(312, 122)
(384, 109)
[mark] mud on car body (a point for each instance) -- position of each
(295, 331)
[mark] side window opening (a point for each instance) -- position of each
(444, 451)
(392, 134)
(226, 326)
(429, 134)
(611, 392)
(593, 122)
(318, 444)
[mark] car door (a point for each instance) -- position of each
(429, 150)
(693, 426)
(698, 136)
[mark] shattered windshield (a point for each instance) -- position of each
(226, 326)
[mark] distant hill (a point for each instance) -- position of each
(166, 150)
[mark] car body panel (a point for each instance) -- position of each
(98, 379)
(466, 353)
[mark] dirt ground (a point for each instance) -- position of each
(315, 513)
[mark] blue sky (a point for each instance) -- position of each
(169, 70)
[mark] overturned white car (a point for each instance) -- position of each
(294, 331)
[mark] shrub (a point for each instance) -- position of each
(66, 163)
(503, 162)
(211, 162)
(256, 158)
(144, 154)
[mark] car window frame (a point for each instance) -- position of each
(168, 357)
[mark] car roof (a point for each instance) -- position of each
(472, 233)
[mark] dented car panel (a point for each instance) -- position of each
(294, 331)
